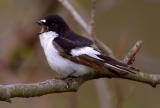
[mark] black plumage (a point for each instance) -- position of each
(70, 40)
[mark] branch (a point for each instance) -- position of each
(36, 89)
(68, 85)
(76, 15)
(92, 19)
(130, 57)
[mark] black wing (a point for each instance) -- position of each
(70, 40)
(103, 64)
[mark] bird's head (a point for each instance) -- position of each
(53, 23)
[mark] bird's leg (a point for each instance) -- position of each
(68, 79)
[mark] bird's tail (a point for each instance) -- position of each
(121, 69)
(115, 66)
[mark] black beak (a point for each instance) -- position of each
(39, 22)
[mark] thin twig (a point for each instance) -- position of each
(75, 14)
(104, 94)
(92, 20)
(130, 57)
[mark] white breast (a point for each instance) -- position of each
(61, 65)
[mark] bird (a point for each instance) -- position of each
(72, 55)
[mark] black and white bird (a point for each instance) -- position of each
(70, 54)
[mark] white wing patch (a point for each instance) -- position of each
(86, 50)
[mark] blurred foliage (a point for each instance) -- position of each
(119, 23)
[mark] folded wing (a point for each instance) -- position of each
(87, 55)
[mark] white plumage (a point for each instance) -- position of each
(62, 65)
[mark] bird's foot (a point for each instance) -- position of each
(67, 79)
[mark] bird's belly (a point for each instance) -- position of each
(62, 65)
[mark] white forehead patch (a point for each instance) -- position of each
(43, 20)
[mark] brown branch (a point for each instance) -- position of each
(130, 57)
(75, 14)
(92, 19)
(36, 89)
(69, 85)
(104, 95)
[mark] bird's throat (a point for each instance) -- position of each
(43, 29)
